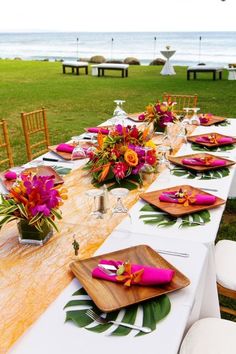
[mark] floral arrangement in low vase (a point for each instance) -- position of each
(122, 155)
(159, 114)
(34, 201)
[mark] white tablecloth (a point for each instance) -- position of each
(51, 335)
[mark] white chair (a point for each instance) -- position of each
(210, 336)
(225, 259)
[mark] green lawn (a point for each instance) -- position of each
(75, 102)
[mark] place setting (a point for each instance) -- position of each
(182, 200)
(70, 151)
(9, 178)
(200, 162)
(212, 140)
(126, 279)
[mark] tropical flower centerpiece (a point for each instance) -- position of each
(122, 155)
(159, 114)
(35, 202)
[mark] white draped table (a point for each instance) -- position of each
(168, 68)
(51, 335)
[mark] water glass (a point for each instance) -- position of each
(94, 196)
(119, 207)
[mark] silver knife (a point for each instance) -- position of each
(57, 160)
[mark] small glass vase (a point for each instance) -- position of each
(158, 128)
(28, 234)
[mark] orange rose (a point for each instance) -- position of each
(131, 157)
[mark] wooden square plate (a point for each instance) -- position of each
(177, 160)
(193, 138)
(176, 209)
(214, 120)
(109, 296)
(40, 171)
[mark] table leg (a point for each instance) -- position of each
(220, 75)
(194, 75)
(77, 71)
(63, 69)
(214, 75)
(86, 70)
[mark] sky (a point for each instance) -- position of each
(117, 15)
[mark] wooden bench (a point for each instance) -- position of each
(204, 69)
(110, 66)
(75, 66)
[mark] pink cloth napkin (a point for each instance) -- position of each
(98, 130)
(10, 175)
(205, 118)
(200, 199)
(150, 276)
(65, 148)
(224, 140)
(196, 161)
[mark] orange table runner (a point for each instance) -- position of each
(32, 277)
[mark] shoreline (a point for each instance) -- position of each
(143, 62)
(212, 48)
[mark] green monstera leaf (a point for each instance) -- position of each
(198, 147)
(154, 216)
(223, 124)
(152, 311)
(61, 170)
(213, 174)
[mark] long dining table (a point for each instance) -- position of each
(36, 282)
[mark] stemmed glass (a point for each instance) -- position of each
(78, 153)
(163, 160)
(119, 193)
(187, 109)
(95, 194)
(171, 135)
(119, 114)
(195, 119)
(146, 165)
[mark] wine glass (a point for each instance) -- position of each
(78, 153)
(171, 135)
(187, 109)
(119, 193)
(119, 114)
(195, 119)
(163, 160)
(95, 195)
(146, 165)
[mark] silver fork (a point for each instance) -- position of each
(102, 320)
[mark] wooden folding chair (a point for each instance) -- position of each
(36, 133)
(5, 158)
(182, 101)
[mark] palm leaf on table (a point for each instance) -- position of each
(213, 174)
(198, 147)
(159, 218)
(152, 312)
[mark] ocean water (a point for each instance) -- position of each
(191, 47)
